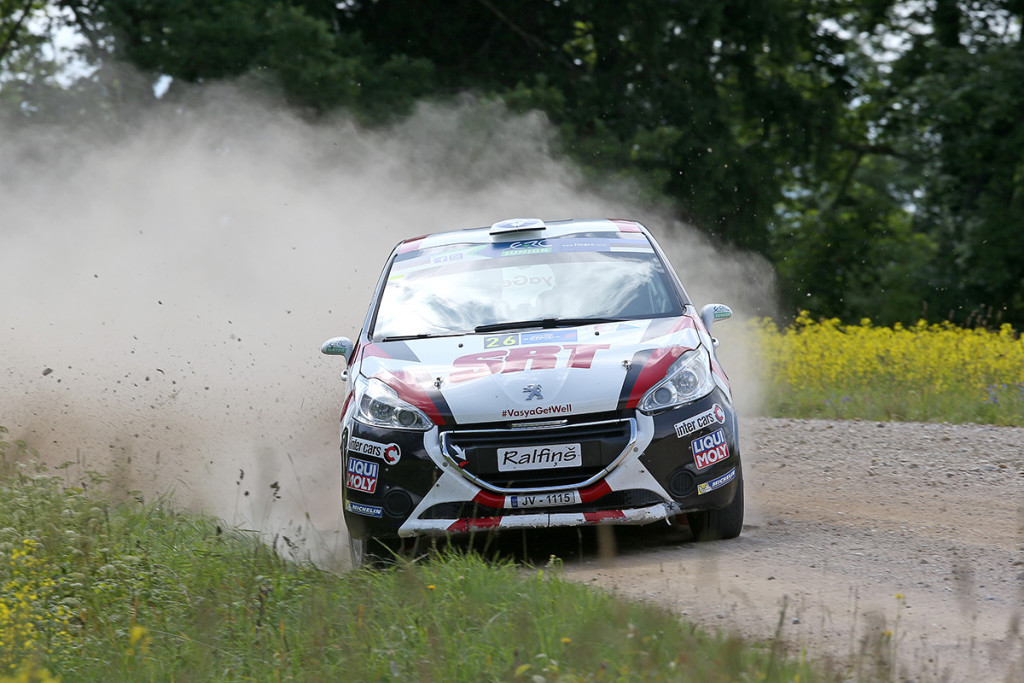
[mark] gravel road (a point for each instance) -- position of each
(842, 517)
(896, 548)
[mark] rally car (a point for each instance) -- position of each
(535, 374)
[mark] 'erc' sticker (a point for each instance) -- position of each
(527, 247)
(709, 486)
(709, 449)
(362, 475)
(388, 452)
(711, 416)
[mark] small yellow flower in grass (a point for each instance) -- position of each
(566, 641)
(136, 634)
(431, 587)
(138, 639)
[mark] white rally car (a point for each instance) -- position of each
(535, 374)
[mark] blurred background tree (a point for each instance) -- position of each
(872, 150)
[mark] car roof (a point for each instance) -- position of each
(522, 229)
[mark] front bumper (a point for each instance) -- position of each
(634, 469)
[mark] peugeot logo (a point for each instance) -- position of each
(532, 391)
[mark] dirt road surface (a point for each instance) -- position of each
(898, 548)
(890, 545)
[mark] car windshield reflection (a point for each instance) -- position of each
(459, 296)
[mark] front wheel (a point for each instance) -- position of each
(727, 522)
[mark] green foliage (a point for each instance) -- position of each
(949, 108)
(881, 181)
(15, 17)
(146, 592)
(852, 252)
(975, 181)
(25, 72)
(285, 44)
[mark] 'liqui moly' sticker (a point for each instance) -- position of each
(362, 475)
(709, 449)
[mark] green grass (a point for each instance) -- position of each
(93, 591)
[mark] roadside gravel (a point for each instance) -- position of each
(896, 548)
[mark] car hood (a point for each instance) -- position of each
(532, 374)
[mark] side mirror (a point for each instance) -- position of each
(713, 313)
(338, 346)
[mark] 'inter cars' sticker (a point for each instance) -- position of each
(711, 416)
(362, 475)
(388, 452)
(364, 510)
(709, 449)
(709, 486)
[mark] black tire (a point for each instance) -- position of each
(715, 525)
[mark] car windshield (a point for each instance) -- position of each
(458, 288)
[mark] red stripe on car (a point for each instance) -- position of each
(348, 402)
(466, 524)
(411, 244)
(625, 226)
(654, 371)
(687, 323)
(372, 350)
(411, 391)
(717, 369)
(598, 490)
(491, 500)
(594, 517)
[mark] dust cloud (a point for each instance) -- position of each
(165, 294)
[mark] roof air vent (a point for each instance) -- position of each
(517, 225)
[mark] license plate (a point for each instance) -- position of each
(543, 500)
(554, 456)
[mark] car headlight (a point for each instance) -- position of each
(379, 406)
(688, 379)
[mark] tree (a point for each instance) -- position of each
(34, 70)
(883, 181)
(707, 102)
(14, 18)
(293, 46)
(954, 101)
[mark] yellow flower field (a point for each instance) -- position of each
(937, 372)
(33, 624)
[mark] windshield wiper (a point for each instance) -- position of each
(421, 335)
(546, 323)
